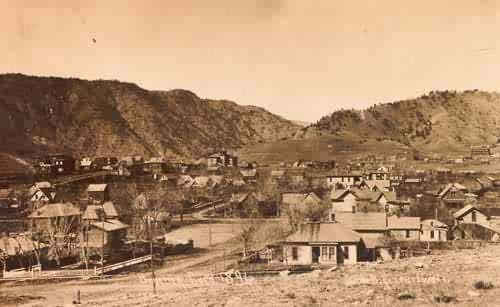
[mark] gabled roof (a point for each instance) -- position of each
(390, 196)
(55, 210)
(451, 187)
(339, 194)
(362, 221)
(101, 187)
(403, 222)
(110, 225)
(465, 210)
(91, 212)
(299, 198)
(358, 193)
(381, 185)
(324, 233)
(366, 194)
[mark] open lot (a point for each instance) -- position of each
(420, 281)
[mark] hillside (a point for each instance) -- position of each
(441, 122)
(39, 114)
(438, 122)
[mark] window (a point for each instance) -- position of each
(407, 233)
(332, 217)
(474, 217)
(432, 234)
(346, 252)
(324, 253)
(331, 253)
(295, 253)
(353, 209)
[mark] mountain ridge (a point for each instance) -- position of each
(109, 117)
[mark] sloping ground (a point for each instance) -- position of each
(39, 114)
(11, 166)
(327, 147)
(419, 281)
(443, 121)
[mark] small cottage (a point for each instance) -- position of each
(404, 228)
(322, 243)
(98, 192)
(433, 230)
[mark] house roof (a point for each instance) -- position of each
(277, 173)
(491, 211)
(43, 184)
(91, 212)
(380, 184)
(101, 187)
(390, 196)
(367, 195)
(86, 162)
(339, 193)
(324, 232)
(413, 180)
(362, 221)
(249, 172)
(432, 223)
(404, 222)
(358, 193)
(55, 210)
(298, 198)
(451, 187)
(465, 210)
(110, 225)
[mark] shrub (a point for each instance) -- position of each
(483, 285)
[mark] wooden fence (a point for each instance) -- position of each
(37, 273)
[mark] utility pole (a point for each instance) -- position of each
(209, 232)
(151, 252)
(102, 240)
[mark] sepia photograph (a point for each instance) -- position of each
(249, 153)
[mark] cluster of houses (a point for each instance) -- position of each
(368, 206)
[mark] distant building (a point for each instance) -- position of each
(104, 163)
(98, 192)
(433, 230)
(404, 228)
(347, 180)
(222, 158)
(41, 193)
(57, 218)
(57, 164)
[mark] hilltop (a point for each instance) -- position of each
(47, 114)
(445, 122)
(436, 122)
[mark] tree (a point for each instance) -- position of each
(300, 213)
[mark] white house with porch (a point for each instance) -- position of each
(322, 243)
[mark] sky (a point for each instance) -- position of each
(297, 58)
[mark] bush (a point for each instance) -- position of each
(483, 285)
